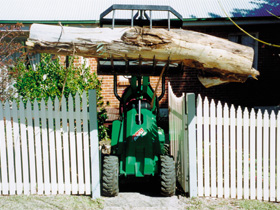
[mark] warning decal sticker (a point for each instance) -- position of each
(139, 133)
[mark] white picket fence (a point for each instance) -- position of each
(45, 150)
(235, 155)
(237, 152)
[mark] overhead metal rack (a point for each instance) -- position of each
(140, 15)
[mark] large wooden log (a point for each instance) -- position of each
(218, 60)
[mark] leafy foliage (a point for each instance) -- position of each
(47, 81)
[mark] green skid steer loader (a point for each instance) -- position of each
(138, 145)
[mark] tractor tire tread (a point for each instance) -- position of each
(168, 176)
(110, 176)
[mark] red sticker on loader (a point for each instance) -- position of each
(137, 134)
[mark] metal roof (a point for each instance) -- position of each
(90, 10)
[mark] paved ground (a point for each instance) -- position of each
(142, 196)
(134, 201)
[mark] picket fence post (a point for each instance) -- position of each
(191, 112)
(206, 147)
(199, 147)
(4, 172)
(94, 145)
(213, 148)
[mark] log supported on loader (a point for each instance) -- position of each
(218, 60)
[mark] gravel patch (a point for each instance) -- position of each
(138, 201)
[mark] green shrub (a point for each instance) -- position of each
(48, 79)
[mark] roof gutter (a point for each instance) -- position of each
(50, 21)
(227, 22)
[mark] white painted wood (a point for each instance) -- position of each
(52, 147)
(45, 145)
(239, 153)
(86, 143)
(94, 145)
(252, 154)
(60, 174)
(213, 148)
(3, 157)
(66, 157)
(220, 149)
(73, 153)
(9, 132)
(226, 151)
(192, 144)
(79, 144)
(23, 136)
(272, 156)
(179, 138)
(259, 155)
(27, 153)
(17, 143)
(265, 156)
(232, 152)
(278, 157)
(246, 153)
(184, 143)
(31, 146)
(38, 148)
(206, 147)
(199, 147)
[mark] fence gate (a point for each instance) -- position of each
(45, 150)
(182, 135)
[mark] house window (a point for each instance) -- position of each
(248, 41)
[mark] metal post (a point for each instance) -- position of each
(113, 20)
(168, 14)
(132, 18)
(151, 21)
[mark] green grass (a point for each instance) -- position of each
(257, 205)
(195, 203)
(221, 203)
(49, 202)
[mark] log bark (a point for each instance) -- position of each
(217, 59)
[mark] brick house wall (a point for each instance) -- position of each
(108, 83)
(108, 90)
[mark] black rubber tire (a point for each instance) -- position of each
(167, 176)
(110, 176)
(166, 148)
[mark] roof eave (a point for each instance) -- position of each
(226, 21)
(50, 21)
